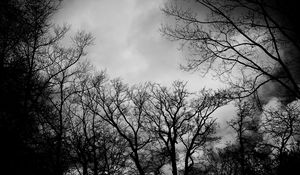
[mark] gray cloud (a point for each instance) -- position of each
(291, 59)
(128, 42)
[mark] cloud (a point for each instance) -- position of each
(128, 43)
(274, 89)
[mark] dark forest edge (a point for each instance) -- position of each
(60, 116)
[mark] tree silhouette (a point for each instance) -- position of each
(250, 155)
(281, 127)
(61, 76)
(247, 154)
(58, 116)
(122, 109)
(247, 43)
(32, 61)
(97, 148)
(23, 96)
(254, 47)
(174, 120)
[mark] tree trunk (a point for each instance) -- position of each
(173, 159)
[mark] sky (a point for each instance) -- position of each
(128, 42)
(129, 45)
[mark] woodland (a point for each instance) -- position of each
(60, 116)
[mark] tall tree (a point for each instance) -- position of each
(23, 23)
(32, 65)
(96, 147)
(62, 76)
(122, 108)
(251, 157)
(174, 120)
(247, 153)
(281, 128)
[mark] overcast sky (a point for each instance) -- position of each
(128, 43)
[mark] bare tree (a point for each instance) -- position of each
(61, 75)
(24, 33)
(247, 43)
(281, 127)
(249, 139)
(97, 147)
(122, 108)
(252, 45)
(247, 154)
(175, 120)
